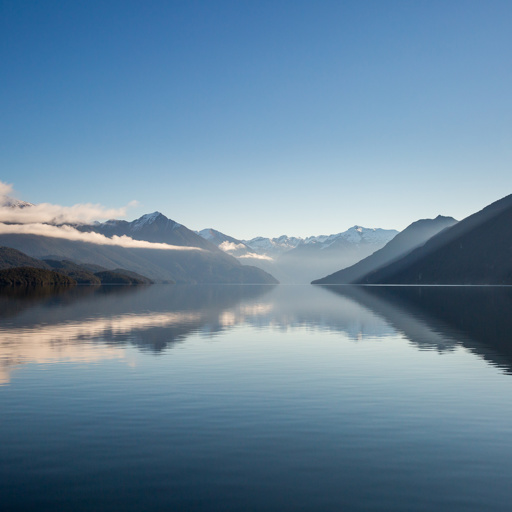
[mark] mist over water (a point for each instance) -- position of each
(256, 398)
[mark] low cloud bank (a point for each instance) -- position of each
(50, 220)
(70, 233)
(253, 255)
(230, 247)
(54, 213)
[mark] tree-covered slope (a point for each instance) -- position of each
(30, 276)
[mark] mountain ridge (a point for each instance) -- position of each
(297, 260)
(476, 250)
(207, 265)
(411, 237)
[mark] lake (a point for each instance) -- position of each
(249, 398)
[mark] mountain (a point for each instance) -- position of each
(83, 275)
(323, 255)
(14, 203)
(30, 276)
(152, 227)
(476, 250)
(228, 244)
(23, 268)
(356, 235)
(74, 270)
(112, 277)
(10, 258)
(295, 260)
(206, 264)
(411, 237)
(273, 246)
(247, 255)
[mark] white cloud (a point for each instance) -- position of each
(70, 233)
(253, 255)
(230, 246)
(49, 220)
(5, 190)
(54, 213)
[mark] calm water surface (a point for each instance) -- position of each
(256, 398)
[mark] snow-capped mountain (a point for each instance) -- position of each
(207, 265)
(151, 218)
(354, 235)
(296, 259)
(218, 238)
(274, 245)
(237, 248)
(152, 227)
(14, 203)
(411, 237)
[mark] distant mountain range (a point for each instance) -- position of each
(476, 251)
(204, 263)
(298, 260)
(411, 237)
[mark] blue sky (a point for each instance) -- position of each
(259, 117)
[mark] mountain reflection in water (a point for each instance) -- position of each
(228, 398)
(85, 323)
(443, 317)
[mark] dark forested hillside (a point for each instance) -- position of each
(477, 250)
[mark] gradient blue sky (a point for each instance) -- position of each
(259, 117)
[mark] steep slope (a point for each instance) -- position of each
(477, 250)
(10, 258)
(152, 227)
(216, 237)
(411, 237)
(226, 243)
(206, 265)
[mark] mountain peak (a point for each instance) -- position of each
(208, 233)
(14, 203)
(148, 219)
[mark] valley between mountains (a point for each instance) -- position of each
(154, 248)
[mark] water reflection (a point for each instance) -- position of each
(87, 324)
(444, 317)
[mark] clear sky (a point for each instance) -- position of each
(259, 117)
